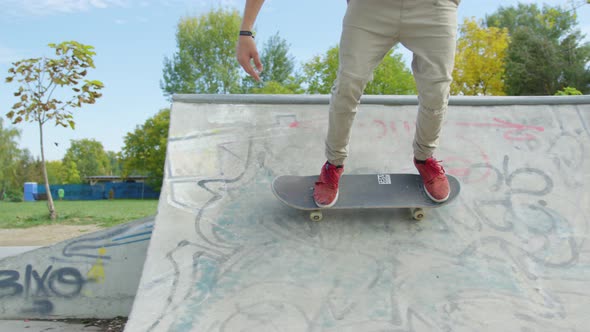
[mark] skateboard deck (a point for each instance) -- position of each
(363, 191)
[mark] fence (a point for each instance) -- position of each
(102, 190)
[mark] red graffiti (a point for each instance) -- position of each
(515, 132)
(393, 127)
(384, 128)
(407, 126)
(461, 166)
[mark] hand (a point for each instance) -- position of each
(246, 51)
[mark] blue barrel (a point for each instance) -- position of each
(30, 191)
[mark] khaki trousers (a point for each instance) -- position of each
(371, 28)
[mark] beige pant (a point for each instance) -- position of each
(371, 28)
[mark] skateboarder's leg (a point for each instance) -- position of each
(429, 31)
(369, 31)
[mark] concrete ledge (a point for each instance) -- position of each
(378, 100)
(91, 276)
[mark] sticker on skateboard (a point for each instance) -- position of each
(363, 191)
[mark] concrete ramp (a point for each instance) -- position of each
(511, 254)
(91, 276)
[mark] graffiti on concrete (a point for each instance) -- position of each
(509, 255)
(82, 262)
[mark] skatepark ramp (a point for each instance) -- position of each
(510, 254)
(91, 276)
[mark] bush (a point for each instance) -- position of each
(14, 195)
(568, 91)
(15, 198)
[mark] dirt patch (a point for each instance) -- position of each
(43, 235)
(103, 325)
(108, 325)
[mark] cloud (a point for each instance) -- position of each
(20, 8)
(47, 7)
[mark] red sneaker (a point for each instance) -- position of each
(433, 176)
(325, 193)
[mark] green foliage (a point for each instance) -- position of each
(546, 52)
(145, 149)
(277, 63)
(533, 66)
(116, 160)
(70, 173)
(278, 76)
(40, 77)
(104, 213)
(10, 155)
(89, 158)
(553, 22)
(479, 62)
(29, 169)
(16, 166)
(204, 61)
(276, 88)
(54, 172)
(568, 91)
(13, 195)
(391, 77)
(320, 72)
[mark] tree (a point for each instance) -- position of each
(391, 77)
(278, 75)
(277, 63)
(320, 72)
(546, 52)
(204, 61)
(575, 58)
(145, 149)
(54, 172)
(41, 80)
(70, 173)
(9, 157)
(479, 63)
(553, 22)
(533, 65)
(116, 160)
(89, 157)
(276, 88)
(28, 169)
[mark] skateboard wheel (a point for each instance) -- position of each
(418, 214)
(316, 216)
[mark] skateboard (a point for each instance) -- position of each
(363, 191)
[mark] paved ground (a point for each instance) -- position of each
(116, 324)
(511, 254)
(43, 235)
(44, 326)
(13, 251)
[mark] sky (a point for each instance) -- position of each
(132, 38)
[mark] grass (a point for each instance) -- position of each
(103, 213)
